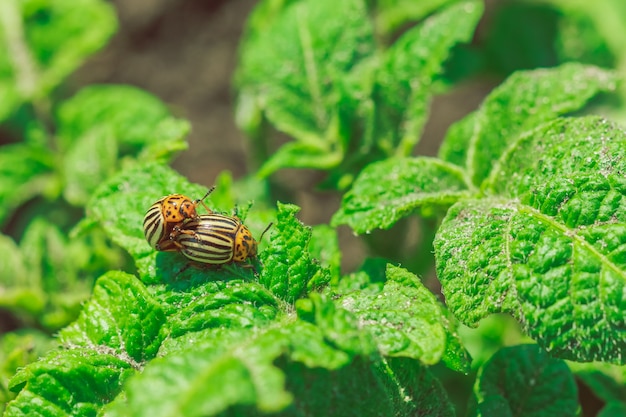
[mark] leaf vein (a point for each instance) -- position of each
(310, 67)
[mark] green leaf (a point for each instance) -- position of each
(12, 269)
(383, 384)
(91, 159)
(18, 349)
(121, 318)
(209, 379)
(128, 321)
(54, 268)
(338, 325)
(67, 382)
(20, 290)
(525, 381)
(398, 386)
(594, 30)
(403, 83)
(223, 368)
(196, 305)
(547, 245)
(289, 271)
(392, 14)
(45, 41)
(264, 15)
(133, 117)
(291, 67)
(419, 384)
(406, 320)
(100, 124)
(263, 370)
(324, 246)
(223, 345)
(370, 277)
(456, 357)
(524, 101)
(25, 172)
(43, 249)
(168, 140)
(92, 254)
(580, 38)
(403, 315)
(388, 190)
(301, 155)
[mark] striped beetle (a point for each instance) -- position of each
(167, 213)
(215, 239)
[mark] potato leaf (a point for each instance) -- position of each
(525, 381)
(388, 190)
(42, 42)
(546, 243)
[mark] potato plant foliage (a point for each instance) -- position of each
(521, 216)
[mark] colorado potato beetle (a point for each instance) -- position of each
(215, 239)
(166, 214)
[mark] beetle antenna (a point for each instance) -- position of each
(266, 229)
(201, 200)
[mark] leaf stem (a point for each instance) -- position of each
(310, 69)
(19, 54)
(25, 69)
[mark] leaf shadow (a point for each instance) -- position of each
(182, 275)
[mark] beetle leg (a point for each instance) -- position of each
(168, 246)
(178, 231)
(183, 269)
(266, 229)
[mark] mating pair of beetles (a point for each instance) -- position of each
(173, 224)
